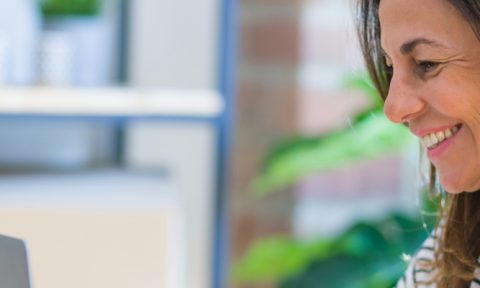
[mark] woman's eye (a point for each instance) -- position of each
(427, 66)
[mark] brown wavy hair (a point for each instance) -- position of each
(458, 248)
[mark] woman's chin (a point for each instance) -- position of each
(453, 191)
(457, 187)
(451, 186)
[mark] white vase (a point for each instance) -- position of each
(20, 26)
(57, 65)
(91, 47)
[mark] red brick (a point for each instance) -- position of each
(266, 113)
(271, 41)
(322, 111)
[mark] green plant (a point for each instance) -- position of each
(59, 8)
(366, 255)
(370, 135)
(369, 138)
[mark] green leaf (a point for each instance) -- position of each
(367, 253)
(361, 82)
(62, 8)
(368, 139)
(369, 256)
(278, 257)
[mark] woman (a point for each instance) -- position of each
(424, 58)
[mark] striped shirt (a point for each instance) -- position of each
(417, 275)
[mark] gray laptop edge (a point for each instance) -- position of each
(14, 271)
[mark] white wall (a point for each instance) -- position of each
(173, 43)
(187, 150)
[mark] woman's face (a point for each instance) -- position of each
(435, 88)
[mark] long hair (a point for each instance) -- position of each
(459, 245)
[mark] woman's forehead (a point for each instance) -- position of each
(402, 21)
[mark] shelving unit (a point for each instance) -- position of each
(174, 154)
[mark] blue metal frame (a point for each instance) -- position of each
(226, 80)
(106, 118)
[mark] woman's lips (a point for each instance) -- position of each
(440, 148)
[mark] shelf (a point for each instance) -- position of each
(109, 102)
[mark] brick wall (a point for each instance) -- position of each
(266, 112)
(329, 52)
(294, 56)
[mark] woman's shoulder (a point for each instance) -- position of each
(420, 269)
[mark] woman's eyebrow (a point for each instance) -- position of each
(410, 45)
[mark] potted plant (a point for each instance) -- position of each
(77, 43)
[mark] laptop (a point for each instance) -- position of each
(14, 272)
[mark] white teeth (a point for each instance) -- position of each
(434, 138)
(440, 136)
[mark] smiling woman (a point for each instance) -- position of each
(424, 58)
(433, 58)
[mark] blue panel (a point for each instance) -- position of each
(226, 81)
(117, 119)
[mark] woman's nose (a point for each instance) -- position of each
(403, 102)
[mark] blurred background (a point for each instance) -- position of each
(208, 143)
